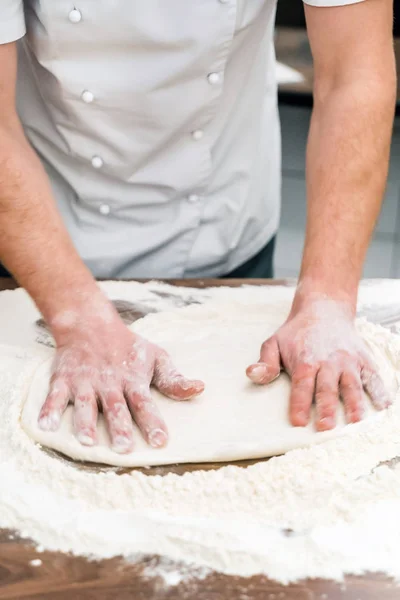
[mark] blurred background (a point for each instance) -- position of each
(295, 103)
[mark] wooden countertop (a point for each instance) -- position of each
(61, 577)
(293, 49)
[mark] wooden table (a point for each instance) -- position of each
(62, 577)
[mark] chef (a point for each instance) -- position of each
(141, 139)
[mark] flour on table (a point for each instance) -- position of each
(322, 511)
(36, 562)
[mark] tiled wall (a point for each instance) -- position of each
(383, 258)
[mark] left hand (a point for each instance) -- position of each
(320, 349)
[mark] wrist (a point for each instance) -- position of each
(310, 292)
(336, 279)
(87, 314)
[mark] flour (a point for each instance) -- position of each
(320, 512)
(36, 562)
(172, 574)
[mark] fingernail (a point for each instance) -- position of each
(355, 416)
(85, 439)
(380, 405)
(302, 416)
(50, 422)
(122, 444)
(194, 386)
(256, 372)
(157, 438)
(385, 402)
(198, 386)
(326, 423)
(352, 417)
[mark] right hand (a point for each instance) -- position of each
(100, 363)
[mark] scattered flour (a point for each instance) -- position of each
(36, 562)
(172, 574)
(319, 512)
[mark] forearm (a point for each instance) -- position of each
(34, 244)
(347, 163)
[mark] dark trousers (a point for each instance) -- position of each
(259, 266)
(4, 272)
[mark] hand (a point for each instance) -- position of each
(326, 359)
(101, 363)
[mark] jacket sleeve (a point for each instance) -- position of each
(331, 2)
(12, 20)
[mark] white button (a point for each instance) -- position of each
(104, 209)
(193, 198)
(97, 162)
(213, 78)
(75, 16)
(87, 96)
(198, 134)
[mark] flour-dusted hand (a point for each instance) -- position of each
(320, 349)
(100, 363)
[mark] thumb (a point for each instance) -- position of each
(268, 367)
(171, 383)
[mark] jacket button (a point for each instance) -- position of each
(75, 16)
(104, 209)
(87, 96)
(97, 162)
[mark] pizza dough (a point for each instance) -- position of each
(232, 420)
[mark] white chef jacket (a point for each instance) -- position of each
(157, 123)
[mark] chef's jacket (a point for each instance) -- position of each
(157, 123)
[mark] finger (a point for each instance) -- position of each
(146, 415)
(351, 393)
(375, 387)
(85, 416)
(171, 383)
(54, 406)
(302, 392)
(268, 367)
(326, 397)
(118, 419)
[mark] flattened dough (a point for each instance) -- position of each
(232, 420)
